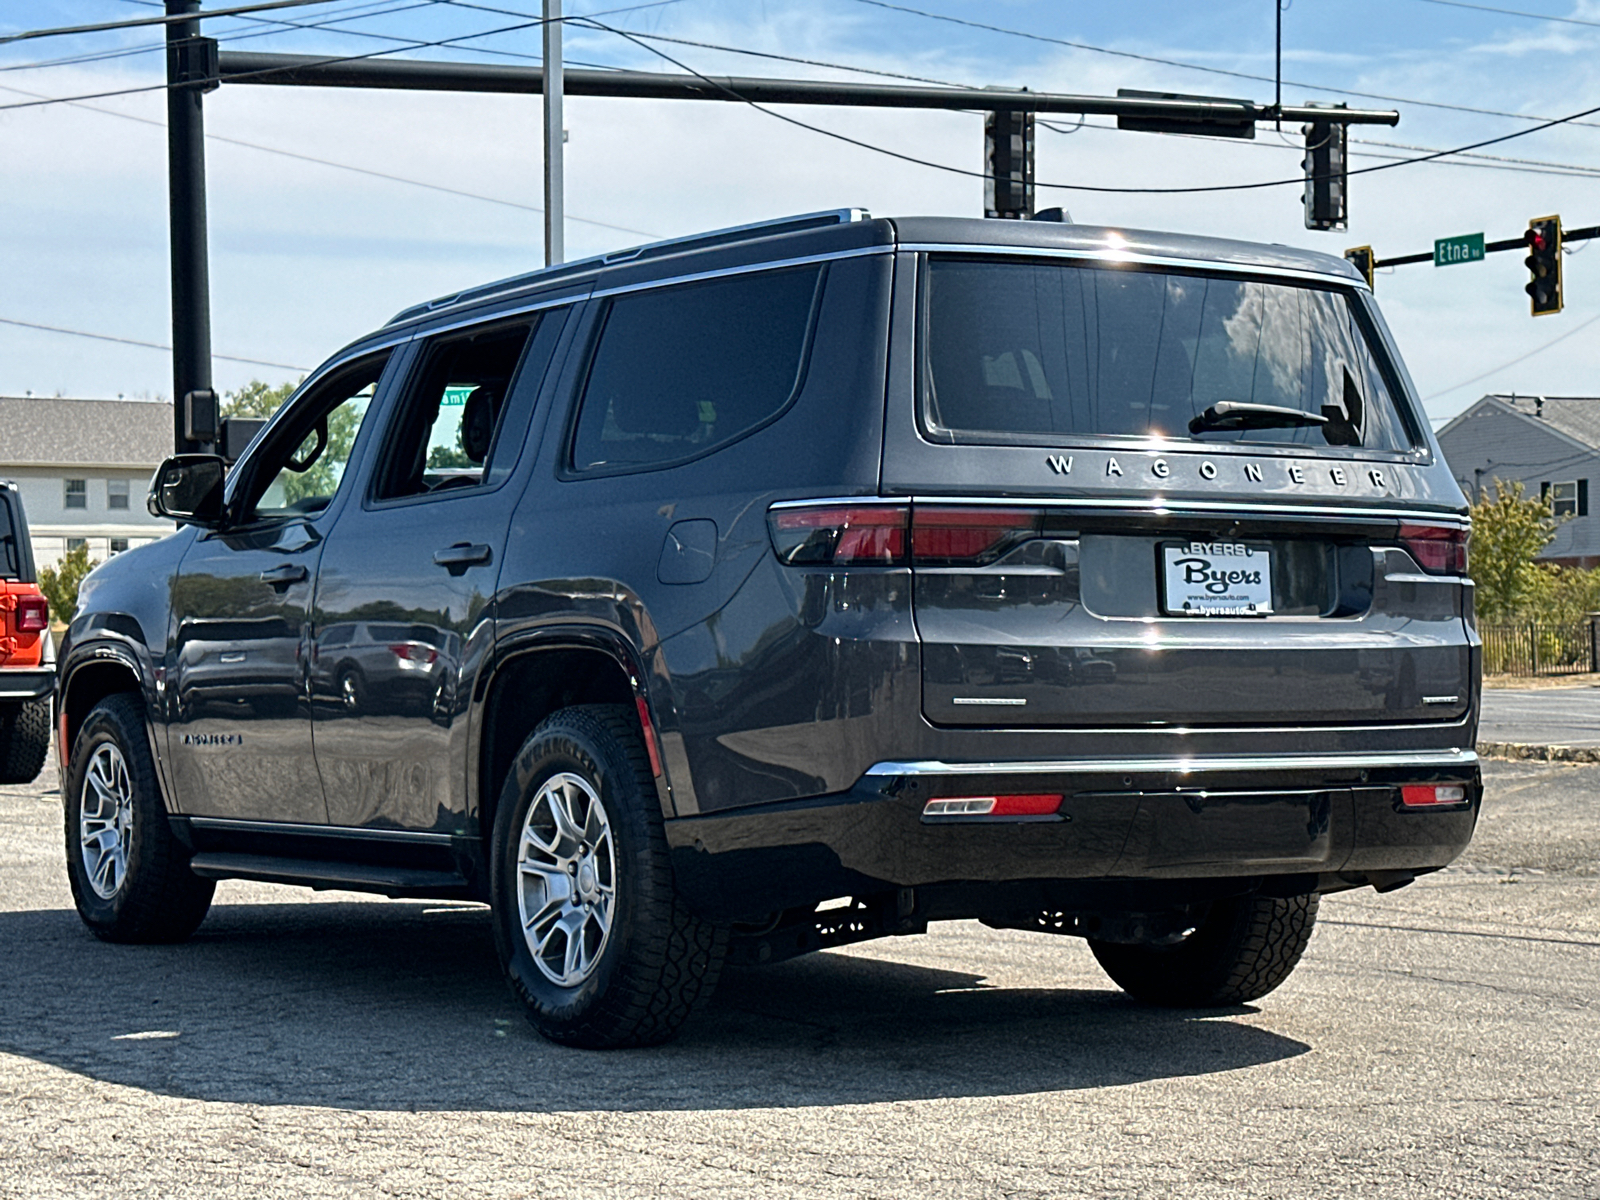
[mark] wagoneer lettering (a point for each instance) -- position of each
(710, 603)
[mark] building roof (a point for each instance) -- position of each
(1578, 417)
(39, 432)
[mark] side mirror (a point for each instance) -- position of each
(188, 487)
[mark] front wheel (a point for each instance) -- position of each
(591, 932)
(130, 877)
(1241, 949)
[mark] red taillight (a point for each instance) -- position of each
(649, 731)
(841, 535)
(414, 653)
(992, 806)
(1432, 795)
(969, 536)
(1438, 549)
(33, 614)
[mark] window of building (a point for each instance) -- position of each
(75, 543)
(118, 545)
(1567, 499)
(117, 494)
(77, 493)
(680, 371)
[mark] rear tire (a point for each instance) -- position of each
(590, 930)
(130, 876)
(1242, 949)
(24, 740)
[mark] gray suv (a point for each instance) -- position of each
(784, 587)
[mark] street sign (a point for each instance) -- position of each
(1468, 247)
(457, 394)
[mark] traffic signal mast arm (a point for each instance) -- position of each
(1517, 243)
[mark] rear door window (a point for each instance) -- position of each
(680, 371)
(1029, 352)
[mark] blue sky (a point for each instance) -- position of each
(306, 256)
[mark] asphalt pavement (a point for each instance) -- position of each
(1542, 717)
(1442, 1040)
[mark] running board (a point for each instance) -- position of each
(324, 875)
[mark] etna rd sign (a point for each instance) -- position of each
(1447, 252)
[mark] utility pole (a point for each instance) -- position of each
(191, 61)
(554, 137)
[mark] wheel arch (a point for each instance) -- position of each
(90, 673)
(537, 675)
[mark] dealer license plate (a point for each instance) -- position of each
(1216, 579)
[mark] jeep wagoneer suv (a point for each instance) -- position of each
(800, 584)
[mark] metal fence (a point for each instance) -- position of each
(1534, 649)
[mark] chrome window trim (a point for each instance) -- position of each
(357, 832)
(1187, 764)
(775, 264)
(1114, 257)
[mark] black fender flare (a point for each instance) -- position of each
(107, 644)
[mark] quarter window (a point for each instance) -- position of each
(679, 371)
(77, 493)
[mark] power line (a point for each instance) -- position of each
(1513, 12)
(106, 337)
(1073, 187)
(1513, 362)
(1186, 66)
(327, 162)
(135, 22)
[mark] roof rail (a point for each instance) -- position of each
(717, 237)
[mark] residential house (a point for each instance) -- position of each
(1551, 444)
(83, 468)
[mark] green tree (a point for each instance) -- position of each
(256, 399)
(1508, 530)
(60, 583)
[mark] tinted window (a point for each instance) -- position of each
(1018, 349)
(681, 370)
(464, 416)
(10, 550)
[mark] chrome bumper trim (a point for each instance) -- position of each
(1186, 765)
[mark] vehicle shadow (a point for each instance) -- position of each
(401, 1006)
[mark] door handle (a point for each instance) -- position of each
(282, 577)
(459, 557)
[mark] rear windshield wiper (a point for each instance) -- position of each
(1237, 414)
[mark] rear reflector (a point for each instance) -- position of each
(1430, 795)
(1438, 549)
(33, 614)
(841, 535)
(993, 806)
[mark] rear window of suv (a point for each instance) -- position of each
(1028, 352)
(680, 371)
(10, 539)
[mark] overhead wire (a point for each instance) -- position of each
(1515, 12)
(1513, 362)
(1188, 66)
(106, 337)
(165, 19)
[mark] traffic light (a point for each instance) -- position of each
(1008, 164)
(1544, 264)
(1364, 260)
(1326, 164)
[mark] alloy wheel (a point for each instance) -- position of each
(566, 879)
(105, 820)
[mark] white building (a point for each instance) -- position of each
(83, 468)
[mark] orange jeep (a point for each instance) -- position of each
(27, 655)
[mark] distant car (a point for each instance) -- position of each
(779, 588)
(27, 653)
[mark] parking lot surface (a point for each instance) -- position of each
(1554, 716)
(1443, 1040)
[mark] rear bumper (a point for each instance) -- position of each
(26, 683)
(1335, 817)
